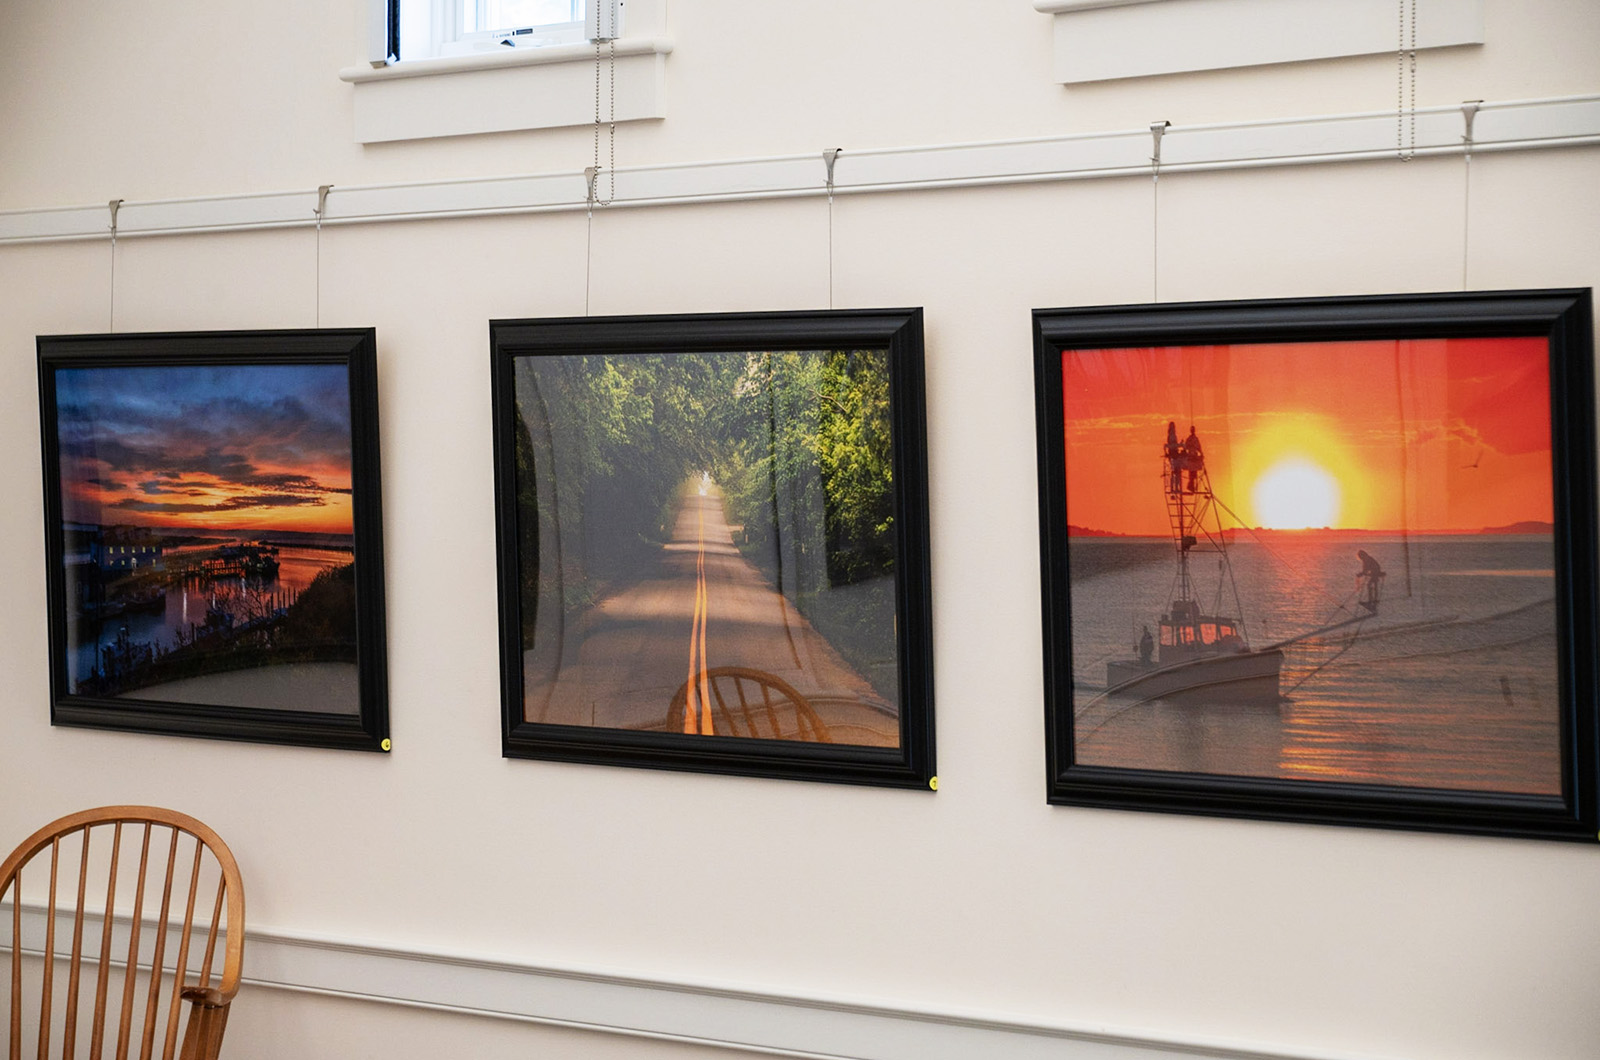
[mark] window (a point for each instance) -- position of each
(432, 28)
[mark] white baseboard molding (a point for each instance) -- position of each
(1498, 126)
(714, 1015)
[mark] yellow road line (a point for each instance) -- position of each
(697, 705)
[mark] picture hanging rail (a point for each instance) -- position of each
(1324, 139)
(1326, 560)
(213, 529)
(713, 543)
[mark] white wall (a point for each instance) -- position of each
(1313, 941)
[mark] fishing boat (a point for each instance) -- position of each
(1200, 651)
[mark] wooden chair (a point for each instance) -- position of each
(746, 702)
(82, 889)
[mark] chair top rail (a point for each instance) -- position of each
(231, 882)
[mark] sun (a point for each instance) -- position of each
(1294, 494)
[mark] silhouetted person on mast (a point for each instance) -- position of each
(1193, 459)
(1174, 454)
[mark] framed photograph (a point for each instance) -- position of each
(214, 535)
(1327, 560)
(713, 543)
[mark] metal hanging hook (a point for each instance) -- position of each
(1157, 130)
(1469, 111)
(115, 205)
(322, 200)
(829, 157)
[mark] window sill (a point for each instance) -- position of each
(1099, 40)
(522, 88)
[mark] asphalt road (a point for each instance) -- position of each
(702, 606)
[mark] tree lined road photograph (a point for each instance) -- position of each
(706, 544)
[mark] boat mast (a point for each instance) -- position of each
(1188, 493)
(1190, 504)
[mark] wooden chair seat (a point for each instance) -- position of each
(79, 897)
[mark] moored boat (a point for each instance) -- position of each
(1198, 653)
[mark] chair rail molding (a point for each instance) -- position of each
(1098, 40)
(708, 1014)
(1441, 131)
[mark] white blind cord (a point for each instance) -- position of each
(592, 172)
(1405, 56)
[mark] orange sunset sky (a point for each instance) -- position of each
(1420, 435)
(206, 447)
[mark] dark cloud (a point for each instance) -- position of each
(231, 504)
(180, 440)
(165, 422)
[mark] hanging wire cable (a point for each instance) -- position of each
(1155, 234)
(1157, 129)
(111, 325)
(322, 207)
(830, 244)
(1469, 111)
(591, 175)
(1466, 214)
(829, 157)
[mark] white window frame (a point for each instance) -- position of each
(434, 28)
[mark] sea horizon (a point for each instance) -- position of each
(1528, 528)
(265, 534)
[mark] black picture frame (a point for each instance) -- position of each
(1127, 728)
(698, 388)
(202, 491)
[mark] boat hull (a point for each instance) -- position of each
(1247, 676)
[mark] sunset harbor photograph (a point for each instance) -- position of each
(204, 514)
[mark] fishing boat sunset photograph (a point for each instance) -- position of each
(1317, 561)
(206, 534)
(708, 548)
